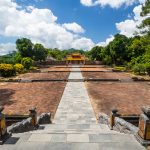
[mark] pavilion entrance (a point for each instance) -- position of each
(75, 58)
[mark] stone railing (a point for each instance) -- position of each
(142, 132)
(31, 123)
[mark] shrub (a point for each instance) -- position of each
(33, 68)
(139, 69)
(147, 66)
(19, 68)
(27, 62)
(120, 68)
(7, 70)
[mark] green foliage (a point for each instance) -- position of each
(27, 62)
(40, 53)
(19, 68)
(146, 22)
(61, 55)
(25, 47)
(7, 70)
(146, 8)
(96, 53)
(8, 59)
(33, 68)
(115, 53)
(18, 58)
(139, 69)
(137, 47)
(147, 66)
(119, 68)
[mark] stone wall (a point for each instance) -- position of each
(64, 63)
(50, 63)
(26, 125)
(120, 124)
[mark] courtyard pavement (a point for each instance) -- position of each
(74, 127)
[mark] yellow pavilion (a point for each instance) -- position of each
(75, 58)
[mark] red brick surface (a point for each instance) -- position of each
(62, 68)
(106, 75)
(50, 75)
(18, 98)
(127, 97)
(96, 69)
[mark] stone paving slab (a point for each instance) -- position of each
(59, 138)
(40, 138)
(83, 138)
(75, 95)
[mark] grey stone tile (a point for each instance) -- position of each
(58, 146)
(84, 146)
(31, 146)
(120, 146)
(7, 147)
(78, 138)
(110, 146)
(40, 138)
(59, 138)
(96, 138)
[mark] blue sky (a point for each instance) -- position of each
(66, 24)
(98, 22)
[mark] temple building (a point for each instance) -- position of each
(75, 58)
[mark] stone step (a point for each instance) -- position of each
(81, 138)
(74, 132)
(75, 128)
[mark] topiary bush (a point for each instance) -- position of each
(27, 62)
(7, 70)
(19, 68)
(139, 69)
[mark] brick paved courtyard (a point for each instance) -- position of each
(18, 98)
(128, 96)
(50, 75)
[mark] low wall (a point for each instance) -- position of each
(50, 63)
(64, 63)
(93, 63)
(120, 124)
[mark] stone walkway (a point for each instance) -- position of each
(74, 127)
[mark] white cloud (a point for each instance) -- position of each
(129, 27)
(83, 43)
(108, 40)
(137, 10)
(111, 3)
(76, 28)
(40, 25)
(7, 48)
(87, 2)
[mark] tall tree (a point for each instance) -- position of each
(118, 49)
(25, 47)
(146, 13)
(40, 53)
(95, 53)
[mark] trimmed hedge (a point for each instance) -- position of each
(19, 68)
(27, 62)
(7, 70)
